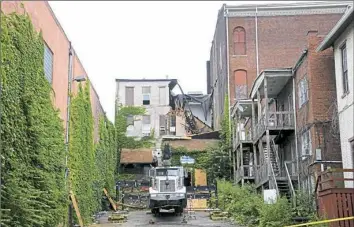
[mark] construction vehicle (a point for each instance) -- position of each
(167, 190)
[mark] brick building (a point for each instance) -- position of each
(56, 55)
(251, 38)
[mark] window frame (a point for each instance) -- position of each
(146, 117)
(303, 93)
(46, 47)
(344, 68)
(236, 37)
(304, 153)
(126, 103)
(148, 94)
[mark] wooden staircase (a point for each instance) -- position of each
(284, 189)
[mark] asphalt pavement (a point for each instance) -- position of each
(144, 218)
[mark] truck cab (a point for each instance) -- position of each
(167, 189)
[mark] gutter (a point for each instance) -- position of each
(70, 79)
(257, 57)
(298, 63)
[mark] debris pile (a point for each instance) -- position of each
(118, 217)
(219, 215)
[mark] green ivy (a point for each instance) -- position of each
(122, 140)
(83, 172)
(105, 158)
(32, 134)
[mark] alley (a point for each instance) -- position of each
(143, 218)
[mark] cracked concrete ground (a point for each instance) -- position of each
(143, 218)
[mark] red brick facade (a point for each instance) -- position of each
(316, 114)
(280, 40)
(54, 36)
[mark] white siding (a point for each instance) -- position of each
(155, 109)
(345, 104)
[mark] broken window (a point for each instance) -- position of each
(306, 144)
(303, 92)
(130, 120)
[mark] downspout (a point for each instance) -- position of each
(295, 126)
(70, 78)
(226, 13)
(257, 58)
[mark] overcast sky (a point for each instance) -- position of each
(141, 40)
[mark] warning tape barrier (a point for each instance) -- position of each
(322, 222)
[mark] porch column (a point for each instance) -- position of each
(253, 122)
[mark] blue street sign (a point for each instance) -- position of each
(187, 160)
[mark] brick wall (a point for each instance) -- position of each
(280, 40)
(193, 144)
(316, 114)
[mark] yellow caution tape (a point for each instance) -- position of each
(322, 222)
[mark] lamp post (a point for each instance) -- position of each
(77, 79)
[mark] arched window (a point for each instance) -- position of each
(240, 77)
(239, 38)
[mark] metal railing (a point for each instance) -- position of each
(277, 161)
(274, 180)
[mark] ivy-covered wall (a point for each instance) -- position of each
(123, 141)
(32, 135)
(83, 172)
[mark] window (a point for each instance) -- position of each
(240, 77)
(303, 92)
(162, 95)
(130, 120)
(146, 119)
(146, 95)
(344, 69)
(306, 144)
(129, 96)
(48, 63)
(239, 39)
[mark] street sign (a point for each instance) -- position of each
(187, 160)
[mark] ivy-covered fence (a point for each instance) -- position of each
(32, 135)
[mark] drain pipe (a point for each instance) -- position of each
(296, 145)
(226, 14)
(70, 78)
(257, 58)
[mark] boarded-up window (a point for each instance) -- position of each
(146, 119)
(48, 63)
(240, 77)
(129, 96)
(239, 40)
(162, 121)
(162, 95)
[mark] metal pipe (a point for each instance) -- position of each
(228, 70)
(296, 146)
(70, 78)
(257, 57)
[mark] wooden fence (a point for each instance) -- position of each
(333, 200)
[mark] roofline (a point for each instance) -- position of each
(75, 53)
(262, 74)
(285, 5)
(337, 30)
(143, 80)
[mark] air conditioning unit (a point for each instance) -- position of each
(172, 129)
